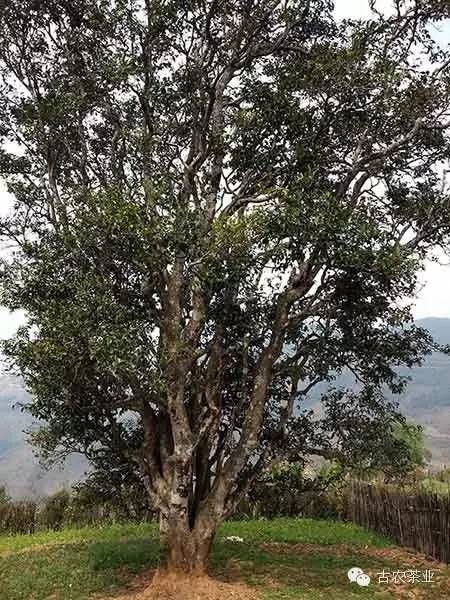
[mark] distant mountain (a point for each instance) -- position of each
(438, 327)
(19, 468)
(427, 398)
(426, 401)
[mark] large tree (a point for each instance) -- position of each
(218, 204)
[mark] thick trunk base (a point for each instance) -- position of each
(188, 557)
(186, 551)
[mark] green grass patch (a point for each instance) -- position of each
(303, 563)
(301, 531)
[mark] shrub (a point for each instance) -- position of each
(17, 517)
(53, 512)
(109, 497)
(289, 489)
(4, 495)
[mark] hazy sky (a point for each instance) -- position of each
(434, 296)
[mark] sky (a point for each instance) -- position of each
(433, 297)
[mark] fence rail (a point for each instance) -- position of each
(420, 521)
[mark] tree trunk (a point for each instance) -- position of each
(186, 550)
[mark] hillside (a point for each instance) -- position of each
(427, 401)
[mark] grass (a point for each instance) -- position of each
(286, 558)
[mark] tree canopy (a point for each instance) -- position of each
(218, 205)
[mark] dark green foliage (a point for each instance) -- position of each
(289, 490)
(102, 498)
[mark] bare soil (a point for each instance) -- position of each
(180, 587)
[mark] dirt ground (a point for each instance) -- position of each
(163, 587)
